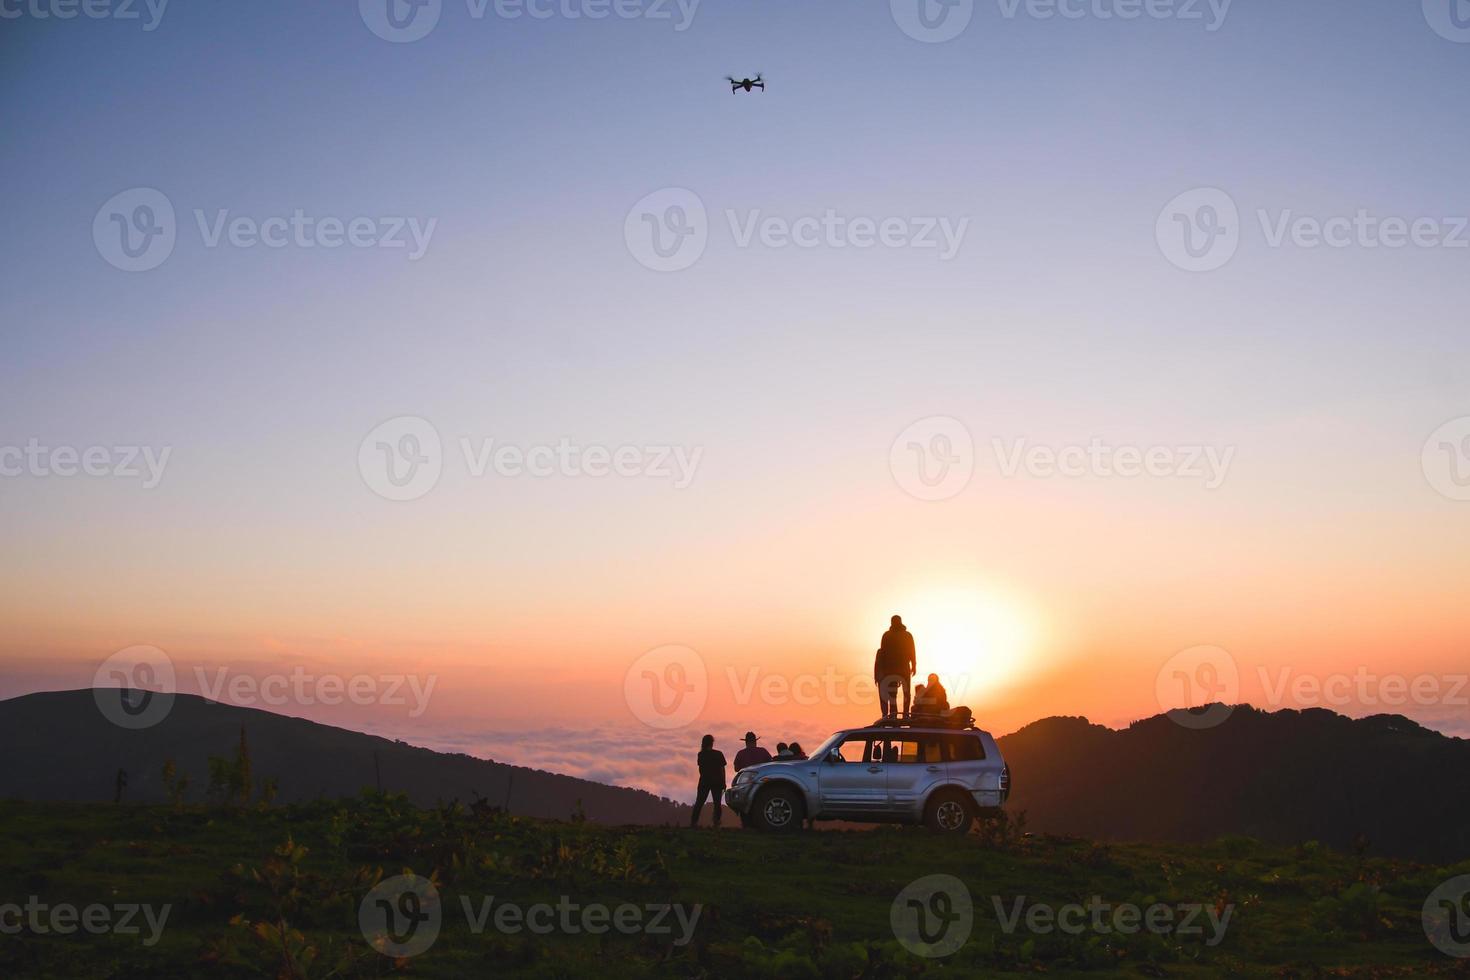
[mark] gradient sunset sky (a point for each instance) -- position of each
(1331, 546)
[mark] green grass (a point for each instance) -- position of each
(275, 891)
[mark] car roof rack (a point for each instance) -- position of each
(925, 721)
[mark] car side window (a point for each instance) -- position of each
(918, 749)
(962, 748)
(853, 750)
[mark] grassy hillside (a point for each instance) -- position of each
(277, 891)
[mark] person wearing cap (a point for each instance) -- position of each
(752, 754)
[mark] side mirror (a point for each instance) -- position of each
(834, 757)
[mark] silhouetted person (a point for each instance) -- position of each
(752, 754)
(797, 752)
(711, 779)
(783, 751)
(894, 667)
(931, 698)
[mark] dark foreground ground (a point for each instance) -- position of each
(285, 891)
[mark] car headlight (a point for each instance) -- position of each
(743, 777)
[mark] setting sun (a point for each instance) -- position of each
(976, 638)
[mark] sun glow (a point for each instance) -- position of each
(978, 640)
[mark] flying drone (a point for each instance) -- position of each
(745, 83)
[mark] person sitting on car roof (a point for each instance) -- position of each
(931, 698)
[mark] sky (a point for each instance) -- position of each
(1119, 347)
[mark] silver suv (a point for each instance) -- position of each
(889, 772)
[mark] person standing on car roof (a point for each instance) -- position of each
(894, 666)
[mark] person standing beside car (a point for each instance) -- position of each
(752, 754)
(711, 762)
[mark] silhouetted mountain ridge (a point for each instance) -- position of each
(1283, 776)
(61, 747)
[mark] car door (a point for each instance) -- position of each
(857, 785)
(915, 766)
(966, 764)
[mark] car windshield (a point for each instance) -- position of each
(821, 750)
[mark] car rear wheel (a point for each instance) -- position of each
(779, 810)
(949, 812)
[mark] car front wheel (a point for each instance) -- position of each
(949, 812)
(779, 810)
